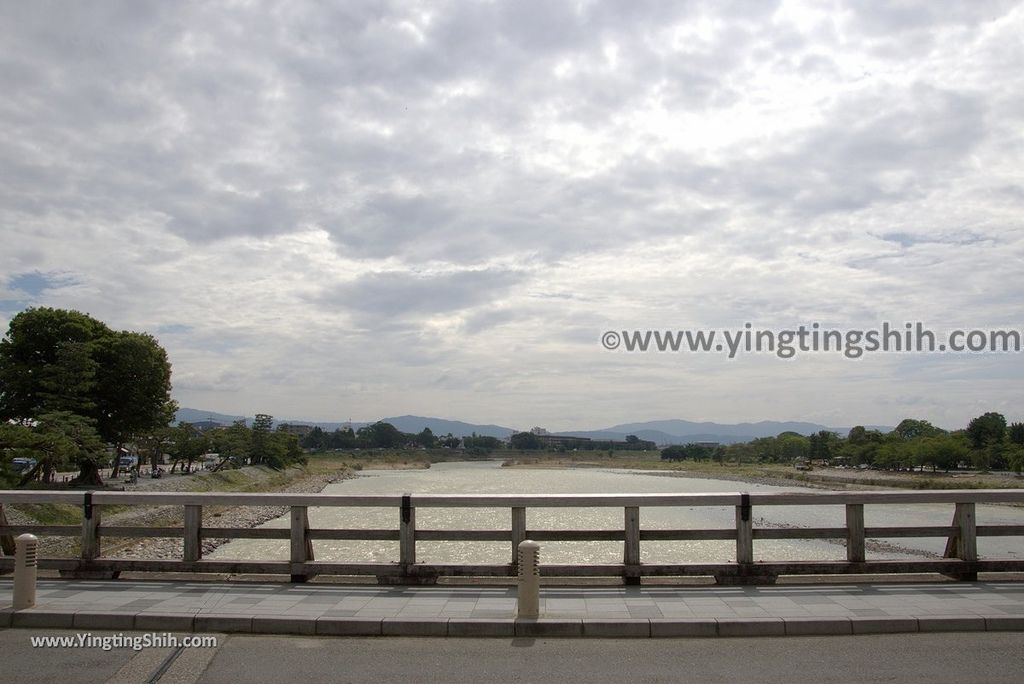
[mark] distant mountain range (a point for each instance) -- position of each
(188, 415)
(681, 431)
(659, 431)
(412, 424)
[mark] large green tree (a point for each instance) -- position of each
(259, 444)
(821, 445)
(47, 364)
(273, 449)
(1016, 433)
(54, 361)
(381, 435)
(233, 444)
(133, 385)
(426, 438)
(187, 445)
(940, 452)
(909, 428)
(524, 441)
(793, 446)
(988, 428)
(61, 438)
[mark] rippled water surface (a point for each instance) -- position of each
(491, 478)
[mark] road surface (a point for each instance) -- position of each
(250, 659)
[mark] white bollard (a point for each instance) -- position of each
(26, 549)
(529, 579)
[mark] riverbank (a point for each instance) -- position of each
(311, 478)
(292, 480)
(838, 479)
(323, 469)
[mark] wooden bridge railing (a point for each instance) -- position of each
(961, 559)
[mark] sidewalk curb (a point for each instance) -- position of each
(34, 618)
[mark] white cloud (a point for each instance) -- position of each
(385, 208)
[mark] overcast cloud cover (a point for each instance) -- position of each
(353, 210)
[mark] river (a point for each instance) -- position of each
(491, 478)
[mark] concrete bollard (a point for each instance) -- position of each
(26, 549)
(529, 580)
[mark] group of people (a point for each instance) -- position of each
(133, 474)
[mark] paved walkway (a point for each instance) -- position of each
(643, 611)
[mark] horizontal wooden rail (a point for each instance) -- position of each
(961, 534)
(517, 500)
(42, 530)
(759, 569)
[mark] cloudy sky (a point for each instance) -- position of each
(354, 210)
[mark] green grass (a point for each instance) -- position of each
(242, 481)
(51, 514)
(381, 459)
(222, 481)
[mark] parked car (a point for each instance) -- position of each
(21, 465)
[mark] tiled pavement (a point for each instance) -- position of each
(655, 610)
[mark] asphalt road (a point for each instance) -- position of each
(249, 659)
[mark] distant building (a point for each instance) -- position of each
(298, 430)
(551, 442)
(556, 441)
(204, 425)
(586, 443)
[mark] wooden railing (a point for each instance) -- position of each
(961, 559)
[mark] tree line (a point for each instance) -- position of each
(987, 443)
(382, 435)
(74, 393)
(234, 446)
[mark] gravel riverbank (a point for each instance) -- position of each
(252, 478)
(236, 516)
(749, 479)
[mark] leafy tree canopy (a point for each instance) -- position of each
(524, 440)
(910, 428)
(986, 429)
(59, 362)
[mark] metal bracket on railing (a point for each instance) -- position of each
(744, 506)
(406, 508)
(87, 506)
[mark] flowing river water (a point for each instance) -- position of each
(491, 478)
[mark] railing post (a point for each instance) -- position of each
(855, 551)
(518, 531)
(407, 534)
(301, 544)
(193, 550)
(25, 571)
(528, 593)
(90, 529)
(744, 531)
(967, 543)
(631, 547)
(7, 546)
